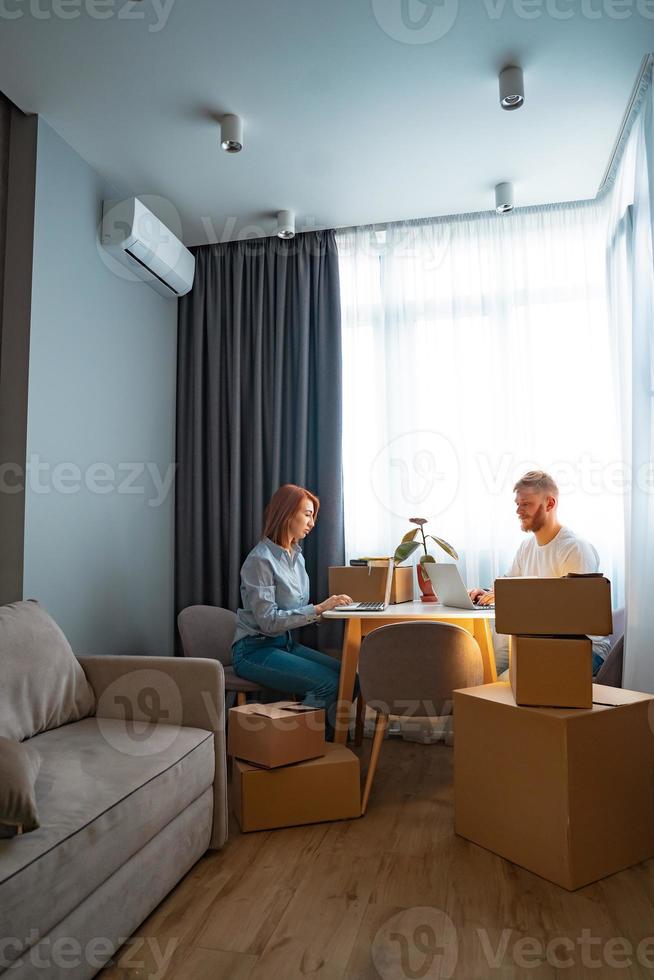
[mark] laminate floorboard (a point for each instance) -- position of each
(392, 896)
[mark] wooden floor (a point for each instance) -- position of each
(394, 896)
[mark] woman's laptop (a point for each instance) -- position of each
(373, 606)
(449, 587)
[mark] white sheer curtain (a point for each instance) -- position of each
(476, 348)
(631, 293)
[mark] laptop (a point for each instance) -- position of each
(373, 606)
(449, 587)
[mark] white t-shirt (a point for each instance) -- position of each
(563, 554)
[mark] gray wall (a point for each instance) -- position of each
(98, 553)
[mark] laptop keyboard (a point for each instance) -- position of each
(370, 606)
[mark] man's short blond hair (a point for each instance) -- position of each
(538, 482)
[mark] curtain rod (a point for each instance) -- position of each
(627, 121)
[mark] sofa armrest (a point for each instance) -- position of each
(185, 691)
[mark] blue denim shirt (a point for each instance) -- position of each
(274, 592)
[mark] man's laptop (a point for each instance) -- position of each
(449, 586)
(372, 606)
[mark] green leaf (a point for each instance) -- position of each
(447, 548)
(404, 550)
(410, 535)
(427, 558)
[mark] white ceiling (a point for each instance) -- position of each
(350, 116)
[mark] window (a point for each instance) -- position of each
(474, 349)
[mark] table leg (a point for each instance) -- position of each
(484, 636)
(349, 661)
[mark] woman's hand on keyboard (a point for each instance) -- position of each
(332, 602)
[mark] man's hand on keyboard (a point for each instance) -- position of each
(485, 599)
(482, 597)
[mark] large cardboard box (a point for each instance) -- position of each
(551, 671)
(328, 788)
(569, 606)
(568, 794)
(276, 734)
(365, 584)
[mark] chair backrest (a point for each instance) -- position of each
(610, 673)
(618, 626)
(207, 631)
(413, 668)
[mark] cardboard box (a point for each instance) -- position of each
(566, 793)
(276, 734)
(553, 606)
(551, 671)
(365, 584)
(309, 792)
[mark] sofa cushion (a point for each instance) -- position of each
(99, 925)
(99, 803)
(43, 685)
(19, 767)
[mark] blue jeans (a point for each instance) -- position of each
(283, 664)
(597, 663)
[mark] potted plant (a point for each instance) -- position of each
(409, 544)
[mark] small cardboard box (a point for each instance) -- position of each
(566, 793)
(551, 671)
(309, 792)
(276, 734)
(570, 606)
(365, 584)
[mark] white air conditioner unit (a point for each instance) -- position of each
(142, 243)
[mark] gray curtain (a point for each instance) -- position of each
(258, 405)
(18, 136)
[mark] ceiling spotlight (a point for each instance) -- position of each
(504, 197)
(512, 87)
(231, 133)
(285, 224)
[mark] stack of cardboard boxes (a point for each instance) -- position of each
(548, 621)
(284, 772)
(552, 772)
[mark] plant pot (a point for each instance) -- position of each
(426, 587)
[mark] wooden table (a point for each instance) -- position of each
(359, 624)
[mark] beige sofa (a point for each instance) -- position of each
(131, 792)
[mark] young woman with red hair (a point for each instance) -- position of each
(275, 600)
